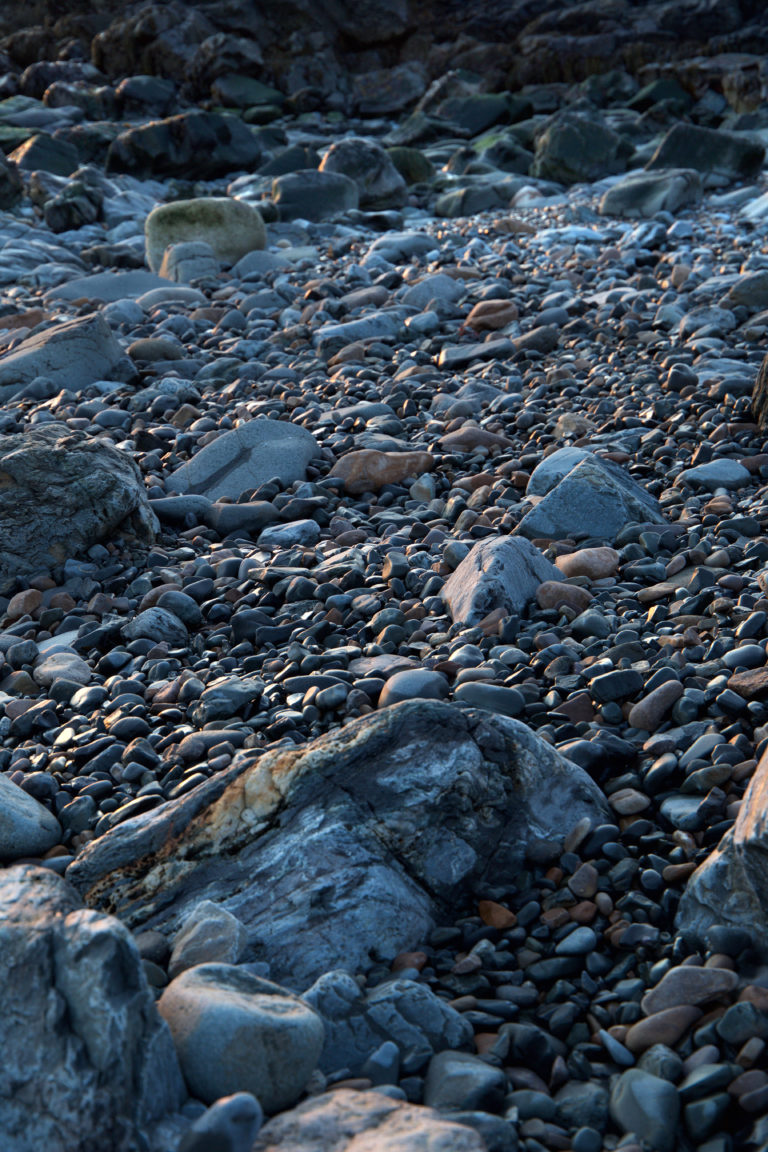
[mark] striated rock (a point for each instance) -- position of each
(379, 183)
(246, 457)
(369, 470)
(71, 355)
(343, 1121)
(731, 886)
(87, 1061)
(595, 498)
(361, 832)
(61, 493)
(235, 1032)
(500, 572)
(27, 828)
(231, 227)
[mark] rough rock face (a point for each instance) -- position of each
(87, 1061)
(731, 886)
(60, 493)
(367, 831)
(497, 573)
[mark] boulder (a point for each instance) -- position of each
(26, 827)
(231, 227)
(646, 193)
(575, 148)
(202, 145)
(407, 1012)
(731, 887)
(721, 156)
(595, 499)
(87, 1061)
(235, 1032)
(246, 457)
(353, 843)
(45, 153)
(11, 185)
(71, 355)
(312, 195)
(499, 572)
(61, 493)
(379, 183)
(342, 1121)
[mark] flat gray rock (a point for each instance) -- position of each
(71, 355)
(717, 474)
(500, 572)
(329, 851)
(106, 286)
(246, 457)
(595, 499)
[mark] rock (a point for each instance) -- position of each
(369, 470)
(408, 1013)
(646, 193)
(80, 1020)
(460, 1080)
(331, 338)
(46, 153)
(202, 145)
(105, 286)
(730, 888)
(750, 291)
(379, 183)
(760, 396)
(231, 227)
(79, 203)
(500, 572)
(11, 185)
(209, 935)
(312, 195)
(721, 155)
(575, 148)
(364, 849)
(714, 474)
(665, 1027)
(188, 261)
(558, 594)
(343, 1120)
(249, 455)
(62, 493)
(687, 984)
(62, 666)
(71, 355)
(157, 624)
(649, 712)
(235, 1032)
(229, 1125)
(595, 498)
(594, 563)
(646, 1106)
(27, 828)
(413, 684)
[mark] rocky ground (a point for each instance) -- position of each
(384, 586)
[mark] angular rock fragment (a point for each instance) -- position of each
(500, 572)
(352, 843)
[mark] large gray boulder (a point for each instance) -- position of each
(231, 227)
(593, 498)
(355, 842)
(62, 493)
(644, 194)
(575, 148)
(379, 183)
(731, 886)
(720, 155)
(87, 1062)
(246, 457)
(26, 827)
(71, 355)
(499, 572)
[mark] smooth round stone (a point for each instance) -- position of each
(157, 624)
(493, 697)
(594, 563)
(586, 1140)
(704, 1081)
(688, 984)
(459, 1080)
(745, 656)
(27, 828)
(649, 712)
(413, 684)
(62, 666)
(648, 1107)
(665, 1027)
(183, 606)
(577, 943)
(231, 1124)
(286, 535)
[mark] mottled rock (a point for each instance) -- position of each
(368, 470)
(235, 1032)
(231, 227)
(364, 851)
(499, 572)
(62, 492)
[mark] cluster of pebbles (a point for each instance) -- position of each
(481, 344)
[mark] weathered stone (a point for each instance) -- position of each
(646, 193)
(368, 470)
(231, 227)
(87, 1061)
(27, 828)
(500, 572)
(365, 851)
(235, 1032)
(575, 148)
(61, 493)
(312, 195)
(722, 155)
(71, 355)
(246, 457)
(379, 183)
(341, 1121)
(203, 145)
(731, 886)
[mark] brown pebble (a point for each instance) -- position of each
(409, 960)
(496, 915)
(649, 712)
(628, 802)
(665, 1027)
(554, 594)
(750, 1052)
(686, 985)
(594, 563)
